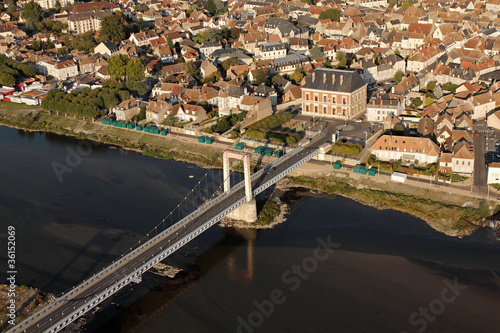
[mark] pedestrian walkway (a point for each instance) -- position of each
(465, 188)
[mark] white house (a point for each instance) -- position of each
(494, 173)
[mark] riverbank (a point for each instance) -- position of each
(26, 302)
(444, 213)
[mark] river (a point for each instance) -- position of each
(333, 266)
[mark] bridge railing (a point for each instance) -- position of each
(180, 224)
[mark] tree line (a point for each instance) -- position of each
(88, 102)
(11, 70)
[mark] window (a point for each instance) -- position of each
(307, 97)
(316, 108)
(324, 98)
(463, 162)
(333, 100)
(468, 163)
(344, 100)
(324, 109)
(307, 108)
(315, 98)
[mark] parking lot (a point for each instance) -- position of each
(491, 137)
(358, 131)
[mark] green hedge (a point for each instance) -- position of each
(347, 148)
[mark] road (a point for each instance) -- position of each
(480, 154)
(85, 292)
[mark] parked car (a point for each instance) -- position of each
(497, 144)
(476, 133)
(358, 120)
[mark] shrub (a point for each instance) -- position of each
(347, 148)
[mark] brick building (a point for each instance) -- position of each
(334, 93)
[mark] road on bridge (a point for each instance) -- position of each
(46, 319)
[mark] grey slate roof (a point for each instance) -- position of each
(291, 59)
(322, 79)
(272, 46)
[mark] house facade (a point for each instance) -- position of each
(334, 93)
(415, 150)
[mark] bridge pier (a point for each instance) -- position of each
(248, 211)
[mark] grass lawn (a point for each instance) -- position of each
(10, 106)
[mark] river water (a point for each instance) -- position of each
(333, 266)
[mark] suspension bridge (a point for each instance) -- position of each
(208, 206)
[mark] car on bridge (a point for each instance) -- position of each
(270, 170)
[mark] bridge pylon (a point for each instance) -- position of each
(248, 211)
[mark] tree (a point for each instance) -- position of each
(142, 114)
(398, 76)
(428, 101)
(230, 62)
(392, 3)
(222, 125)
(117, 66)
(398, 128)
(332, 14)
(327, 64)
(298, 74)
(406, 5)
(32, 13)
(170, 43)
(416, 103)
(219, 6)
(260, 77)
(12, 9)
(210, 6)
(376, 58)
(340, 56)
(192, 70)
(135, 70)
(57, 6)
(36, 45)
(170, 120)
(49, 44)
(214, 77)
(342, 63)
(7, 79)
(110, 100)
(113, 28)
(316, 52)
(276, 78)
(431, 86)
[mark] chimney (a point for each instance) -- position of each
(313, 76)
(373, 102)
(324, 77)
(333, 78)
(381, 102)
(341, 79)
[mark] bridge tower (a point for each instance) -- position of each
(248, 211)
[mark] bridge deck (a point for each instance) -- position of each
(89, 293)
